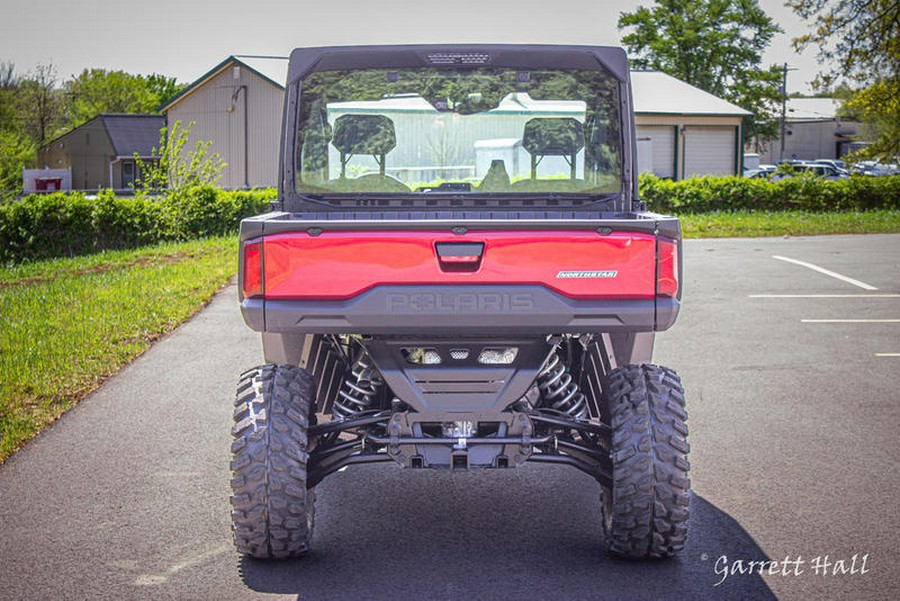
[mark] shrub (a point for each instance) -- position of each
(805, 192)
(54, 225)
(180, 168)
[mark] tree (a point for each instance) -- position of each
(97, 91)
(863, 38)
(163, 88)
(39, 105)
(16, 151)
(9, 84)
(877, 107)
(715, 45)
(179, 168)
(8, 77)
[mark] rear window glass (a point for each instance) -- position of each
(475, 131)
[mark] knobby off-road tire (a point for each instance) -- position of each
(646, 512)
(272, 510)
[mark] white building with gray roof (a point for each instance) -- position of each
(684, 131)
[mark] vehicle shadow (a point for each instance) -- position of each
(528, 533)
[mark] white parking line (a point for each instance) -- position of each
(822, 270)
(850, 320)
(887, 354)
(824, 295)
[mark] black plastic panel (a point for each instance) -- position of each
(458, 310)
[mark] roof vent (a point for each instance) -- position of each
(459, 58)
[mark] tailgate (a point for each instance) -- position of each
(335, 265)
(465, 277)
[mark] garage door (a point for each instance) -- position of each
(709, 150)
(658, 146)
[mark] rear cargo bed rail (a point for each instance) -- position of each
(281, 222)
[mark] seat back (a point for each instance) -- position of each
(363, 134)
(553, 136)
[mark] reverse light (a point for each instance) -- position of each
(252, 281)
(667, 268)
(421, 355)
(498, 356)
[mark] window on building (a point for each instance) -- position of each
(128, 174)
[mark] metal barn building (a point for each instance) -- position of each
(237, 107)
(813, 131)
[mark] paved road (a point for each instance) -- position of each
(795, 445)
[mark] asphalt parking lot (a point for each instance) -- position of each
(794, 401)
(794, 407)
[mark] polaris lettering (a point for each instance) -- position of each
(427, 302)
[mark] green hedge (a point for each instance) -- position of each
(52, 225)
(805, 192)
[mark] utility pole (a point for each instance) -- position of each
(782, 132)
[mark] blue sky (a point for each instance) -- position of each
(184, 38)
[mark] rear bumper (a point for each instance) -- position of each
(459, 310)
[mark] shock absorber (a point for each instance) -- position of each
(359, 389)
(559, 391)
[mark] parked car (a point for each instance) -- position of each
(825, 170)
(838, 164)
(763, 171)
(874, 168)
(820, 169)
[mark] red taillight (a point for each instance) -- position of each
(252, 284)
(667, 268)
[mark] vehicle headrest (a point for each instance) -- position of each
(554, 136)
(364, 134)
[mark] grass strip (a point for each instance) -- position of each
(750, 224)
(106, 260)
(68, 324)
